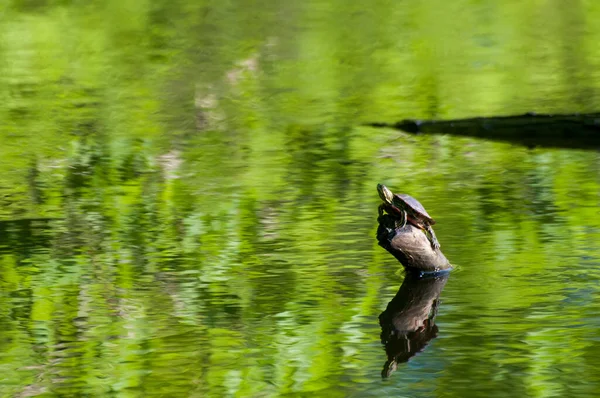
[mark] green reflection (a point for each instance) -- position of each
(187, 207)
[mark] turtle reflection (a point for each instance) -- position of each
(408, 323)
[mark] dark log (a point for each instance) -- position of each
(408, 323)
(576, 131)
(410, 246)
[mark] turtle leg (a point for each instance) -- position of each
(432, 238)
(404, 217)
(380, 209)
(401, 223)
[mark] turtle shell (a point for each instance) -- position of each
(415, 205)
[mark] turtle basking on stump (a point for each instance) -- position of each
(407, 209)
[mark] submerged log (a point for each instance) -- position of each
(410, 246)
(577, 131)
(408, 323)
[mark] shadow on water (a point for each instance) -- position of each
(577, 131)
(408, 322)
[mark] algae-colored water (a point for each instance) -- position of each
(188, 202)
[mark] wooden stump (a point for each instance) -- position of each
(410, 246)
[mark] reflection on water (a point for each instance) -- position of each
(187, 202)
(408, 322)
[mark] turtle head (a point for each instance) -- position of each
(384, 193)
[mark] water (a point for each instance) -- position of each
(188, 200)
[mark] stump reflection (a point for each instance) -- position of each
(408, 323)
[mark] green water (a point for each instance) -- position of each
(188, 202)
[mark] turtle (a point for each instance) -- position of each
(408, 209)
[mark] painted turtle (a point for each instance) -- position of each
(408, 209)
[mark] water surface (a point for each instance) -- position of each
(188, 202)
